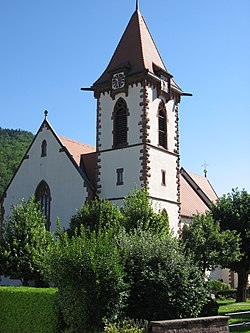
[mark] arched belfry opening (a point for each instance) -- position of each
(120, 118)
(162, 125)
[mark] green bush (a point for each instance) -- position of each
(164, 283)
(227, 294)
(126, 326)
(138, 212)
(96, 215)
(24, 310)
(218, 286)
(88, 271)
(24, 231)
(210, 308)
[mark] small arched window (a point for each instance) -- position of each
(162, 125)
(120, 133)
(44, 148)
(42, 195)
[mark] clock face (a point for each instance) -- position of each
(118, 80)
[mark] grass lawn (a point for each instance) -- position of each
(229, 306)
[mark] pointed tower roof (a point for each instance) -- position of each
(136, 51)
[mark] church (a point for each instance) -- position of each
(137, 144)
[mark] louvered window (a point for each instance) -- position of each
(120, 123)
(162, 126)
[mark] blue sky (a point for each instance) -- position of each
(50, 49)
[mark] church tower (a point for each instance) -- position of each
(137, 123)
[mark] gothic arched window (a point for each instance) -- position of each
(120, 132)
(162, 125)
(42, 195)
(44, 148)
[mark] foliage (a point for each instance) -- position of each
(232, 211)
(14, 144)
(210, 308)
(23, 232)
(28, 310)
(209, 245)
(99, 213)
(88, 272)
(218, 286)
(126, 326)
(164, 284)
(138, 212)
(124, 264)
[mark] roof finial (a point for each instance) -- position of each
(205, 169)
(45, 114)
(137, 4)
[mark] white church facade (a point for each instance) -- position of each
(137, 144)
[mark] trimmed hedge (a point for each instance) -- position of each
(25, 310)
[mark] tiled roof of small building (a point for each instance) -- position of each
(205, 185)
(76, 149)
(196, 193)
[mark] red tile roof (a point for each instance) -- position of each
(196, 193)
(205, 185)
(76, 149)
(135, 50)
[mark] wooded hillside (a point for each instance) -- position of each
(13, 145)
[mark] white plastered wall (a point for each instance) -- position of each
(113, 160)
(126, 158)
(107, 104)
(163, 160)
(173, 213)
(153, 119)
(129, 158)
(56, 169)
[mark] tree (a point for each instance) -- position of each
(209, 245)
(99, 213)
(138, 212)
(88, 271)
(164, 283)
(23, 232)
(13, 145)
(115, 262)
(232, 211)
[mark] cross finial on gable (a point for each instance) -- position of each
(45, 114)
(205, 169)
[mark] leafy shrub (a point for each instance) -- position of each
(26, 309)
(88, 272)
(126, 326)
(164, 284)
(227, 294)
(210, 308)
(98, 214)
(138, 212)
(218, 286)
(24, 232)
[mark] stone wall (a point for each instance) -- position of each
(216, 324)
